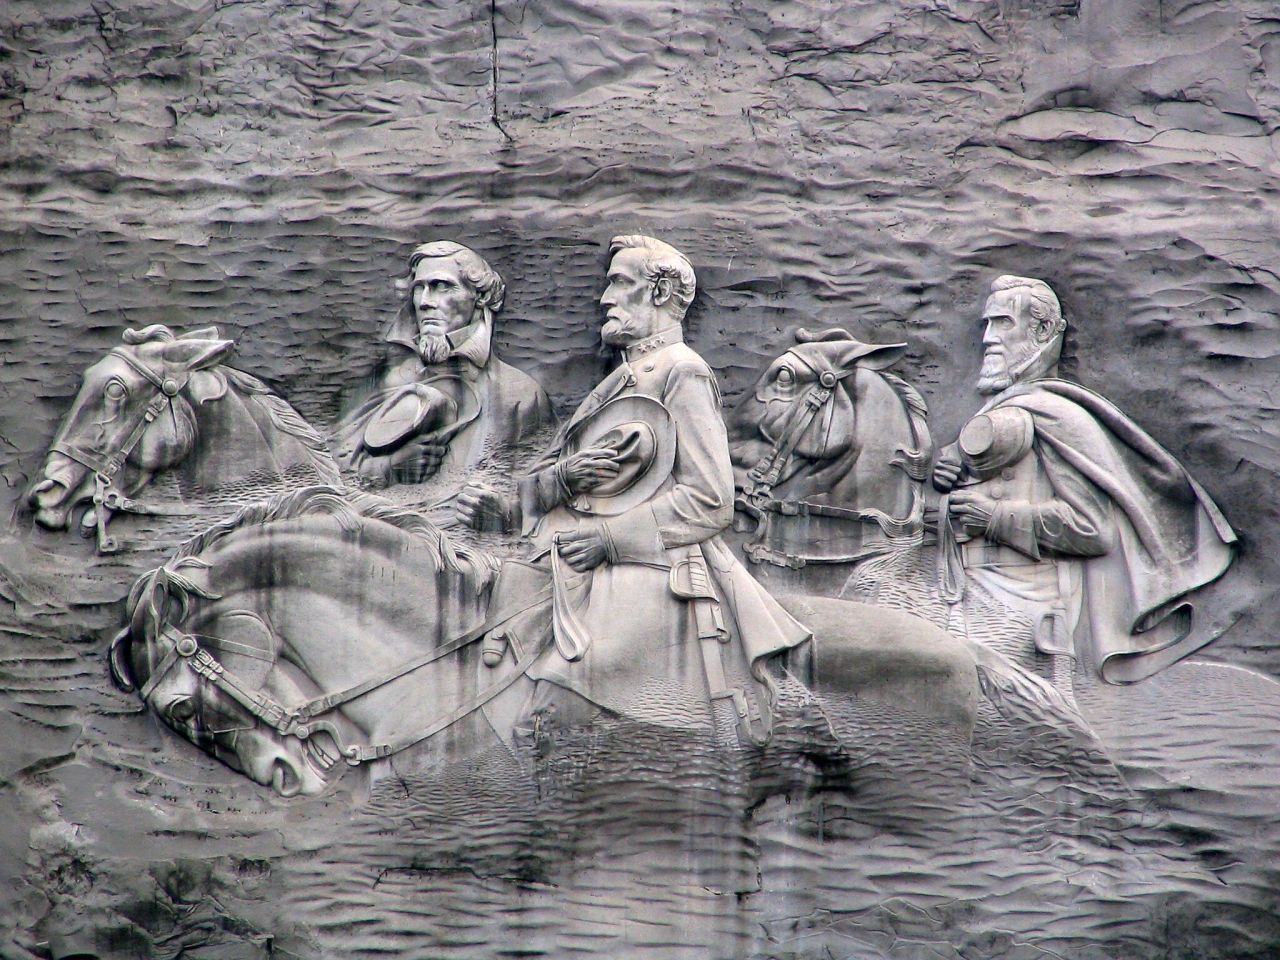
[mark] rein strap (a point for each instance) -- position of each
(185, 647)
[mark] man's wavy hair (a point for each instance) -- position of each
(1047, 321)
(662, 261)
(489, 288)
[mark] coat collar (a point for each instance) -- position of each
(652, 344)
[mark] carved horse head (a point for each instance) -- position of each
(142, 408)
(827, 432)
(274, 641)
(132, 417)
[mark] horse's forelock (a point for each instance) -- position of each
(118, 657)
(141, 626)
(804, 335)
(156, 332)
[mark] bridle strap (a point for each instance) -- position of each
(768, 471)
(107, 467)
(108, 497)
(356, 755)
(185, 647)
(329, 701)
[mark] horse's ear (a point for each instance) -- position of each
(121, 672)
(196, 354)
(877, 356)
(206, 385)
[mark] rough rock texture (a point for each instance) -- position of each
(268, 166)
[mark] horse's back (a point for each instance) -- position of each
(889, 656)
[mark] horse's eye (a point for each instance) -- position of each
(786, 377)
(116, 390)
(182, 710)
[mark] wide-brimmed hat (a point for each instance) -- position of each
(995, 439)
(441, 405)
(642, 433)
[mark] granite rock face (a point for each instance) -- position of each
(267, 168)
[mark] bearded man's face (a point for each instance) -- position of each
(1009, 345)
(630, 314)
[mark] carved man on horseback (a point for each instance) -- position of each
(652, 616)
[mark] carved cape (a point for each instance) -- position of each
(1171, 538)
(643, 659)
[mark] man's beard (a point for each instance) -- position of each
(994, 376)
(618, 333)
(433, 348)
(1000, 371)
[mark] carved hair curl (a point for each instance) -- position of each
(489, 288)
(148, 334)
(662, 261)
(1047, 321)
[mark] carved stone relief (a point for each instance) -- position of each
(673, 562)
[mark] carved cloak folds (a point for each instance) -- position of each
(1170, 537)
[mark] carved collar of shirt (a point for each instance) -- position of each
(652, 344)
(472, 343)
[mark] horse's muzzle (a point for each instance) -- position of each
(64, 484)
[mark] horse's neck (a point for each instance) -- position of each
(883, 431)
(240, 437)
(348, 597)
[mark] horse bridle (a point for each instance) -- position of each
(107, 497)
(768, 471)
(300, 721)
(757, 498)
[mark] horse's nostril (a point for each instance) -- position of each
(285, 779)
(33, 495)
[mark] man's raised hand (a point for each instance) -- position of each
(947, 470)
(587, 469)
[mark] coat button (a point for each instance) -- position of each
(1006, 473)
(647, 368)
(996, 492)
(584, 506)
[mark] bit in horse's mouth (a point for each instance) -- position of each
(320, 759)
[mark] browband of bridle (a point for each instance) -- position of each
(301, 721)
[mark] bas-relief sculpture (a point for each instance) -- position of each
(1065, 511)
(165, 402)
(598, 651)
(443, 401)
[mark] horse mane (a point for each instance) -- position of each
(287, 420)
(347, 507)
(165, 593)
(915, 460)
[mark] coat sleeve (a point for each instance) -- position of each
(699, 504)
(1076, 521)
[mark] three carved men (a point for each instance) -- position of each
(1054, 503)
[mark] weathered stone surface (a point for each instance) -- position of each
(267, 167)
